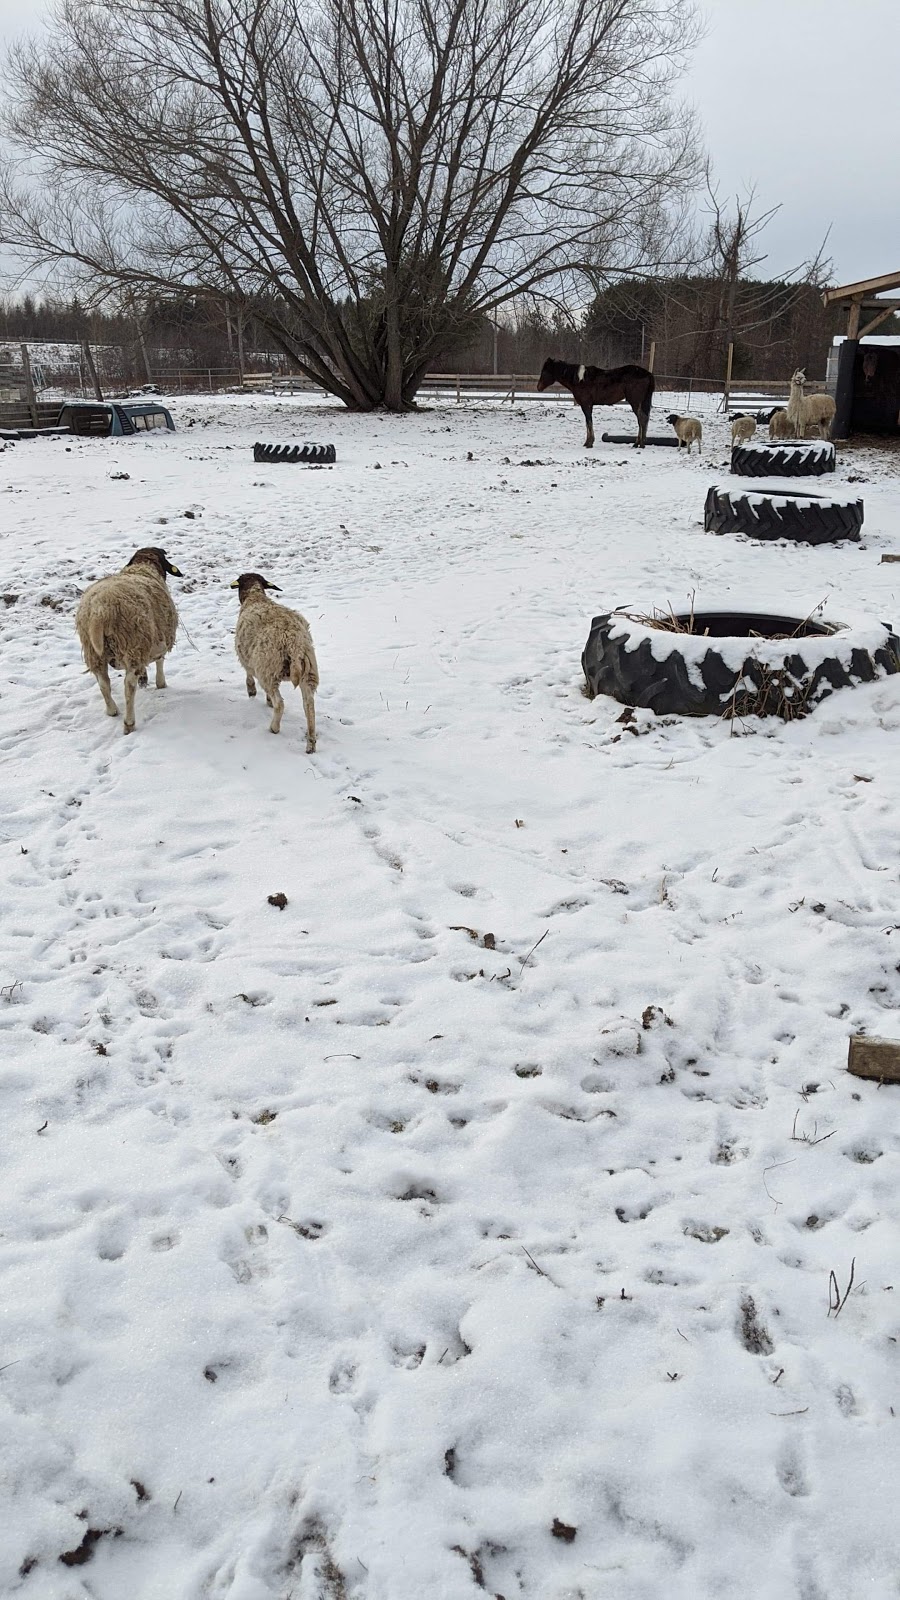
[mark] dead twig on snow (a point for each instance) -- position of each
(836, 1300)
(532, 950)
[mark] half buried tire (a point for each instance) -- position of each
(728, 663)
(317, 455)
(769, 513)
(809, 459)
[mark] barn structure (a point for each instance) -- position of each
(867, 388)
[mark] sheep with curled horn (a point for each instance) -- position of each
(126, 621)
(274, 646)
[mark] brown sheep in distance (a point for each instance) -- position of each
(126, 621)
(274, 645)
(780, 426)
(742, 428)
(688, 429)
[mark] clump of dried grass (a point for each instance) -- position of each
(669, 621)
(776, 694)
(666, 621)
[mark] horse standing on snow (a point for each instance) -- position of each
(597, 386)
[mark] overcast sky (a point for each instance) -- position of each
(798, 96)
(801, 97)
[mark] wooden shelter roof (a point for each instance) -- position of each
(862, 290)
(865, 296)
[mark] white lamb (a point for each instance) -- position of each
(688, 429)
(809, 410)
(742, 428)
(126, 621)
(780, 426)
(274, 645)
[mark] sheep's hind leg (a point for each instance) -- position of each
(160, 675)
(102, 676)
(309, 706)
(131, 683)
(278, 707)
(251, 686)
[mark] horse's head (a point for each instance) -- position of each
(549, 374)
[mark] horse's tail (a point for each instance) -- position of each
(648, 397)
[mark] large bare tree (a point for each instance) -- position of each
(372, 177)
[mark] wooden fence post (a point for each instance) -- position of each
(652, 356)
(89, 363)
(457, 388)
(728, 376)
(30, 395)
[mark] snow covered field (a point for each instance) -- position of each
(349, 1253)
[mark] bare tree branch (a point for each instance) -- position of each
(374, 176)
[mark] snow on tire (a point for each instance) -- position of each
(810, 459)
(307, 454)
(734, 663)
(776, 513)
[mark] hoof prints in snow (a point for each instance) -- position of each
(293, 1268)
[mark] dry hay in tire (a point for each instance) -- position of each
(733, 664)
(317, 455)
(775, 513)
(806, 459)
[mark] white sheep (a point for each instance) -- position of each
(274, 644)
(688, 429)
(809, 410)
(780, 426)
(126, 621)
(742, 428)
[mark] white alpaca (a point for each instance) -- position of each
(809, 410)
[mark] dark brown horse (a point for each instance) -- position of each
(597, 386)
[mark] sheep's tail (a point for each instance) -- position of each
(304, 669)
(95, 635)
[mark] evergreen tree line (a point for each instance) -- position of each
(774, 327)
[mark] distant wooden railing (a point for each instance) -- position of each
(509, 387)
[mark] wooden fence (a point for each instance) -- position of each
(510, 387)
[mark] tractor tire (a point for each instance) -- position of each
(310, 455)
(729, 672)
(794, 514)
(807, 459)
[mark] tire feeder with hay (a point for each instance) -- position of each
(808, 458)
(772, 512)
(307, 455)
(733, 663)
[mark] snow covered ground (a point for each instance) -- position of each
(349, 1253)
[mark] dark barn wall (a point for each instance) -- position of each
(876, 389)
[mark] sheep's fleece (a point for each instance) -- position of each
(126, 621)
(274, 645)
